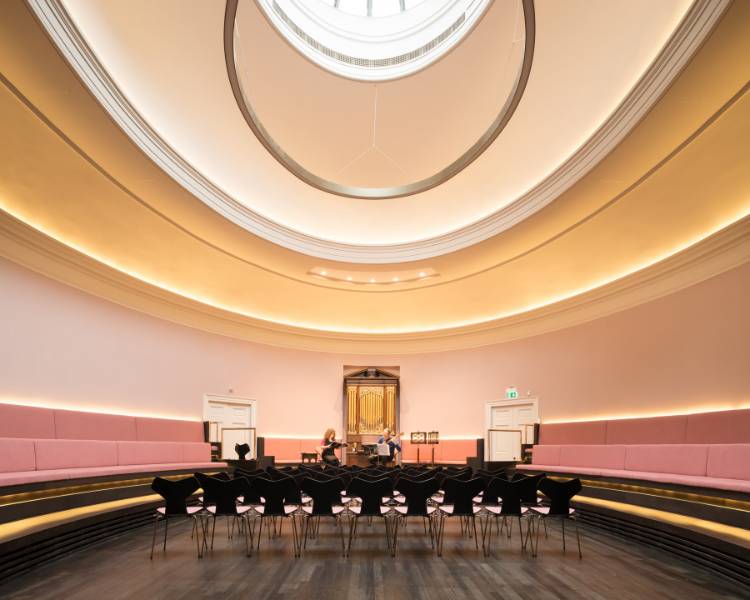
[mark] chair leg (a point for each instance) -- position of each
(432, 533)
(260, 532)
(153, 541)
(295, 537)
(441, 534)
(578, 538)
(340, 521)
(166, 528)
(395, 537)
(352, 526)
(248, 542)
(520, 534)
(198, 542)
(563, 532)
(474, 525)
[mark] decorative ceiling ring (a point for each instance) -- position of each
(372, 193)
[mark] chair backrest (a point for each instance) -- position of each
(417, 493)
(463, 495)
(511, 493)
(175, 493)
(488, 476)
(225, 493)
(324, 494)
(275, 474)
(208, 497)
(251, 495)
(273, 493)
(371, 492)
(560, 494)
(530, 489)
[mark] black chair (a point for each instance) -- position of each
(242, 450)
(251, 497)
(509, 495)
(276, 506)
(371, 493)
(531, 498)
(461, 495)
(207, 499)
(225, 494)
(326, 502)
(175, 494)
(415, 495)
(560, 494)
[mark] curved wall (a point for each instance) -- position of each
(686, 352)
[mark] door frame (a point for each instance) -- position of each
(491, 404)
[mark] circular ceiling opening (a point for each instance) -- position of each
(373, 40)
(385, 139)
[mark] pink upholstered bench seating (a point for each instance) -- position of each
(702, 450)
(41, 444)
(719, 466)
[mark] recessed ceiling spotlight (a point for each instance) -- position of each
(324, 273)
(422, 274)
(348, 277)
(395, 279)
(372, 280)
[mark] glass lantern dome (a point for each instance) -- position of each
(373, 40)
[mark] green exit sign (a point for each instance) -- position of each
(511, 393)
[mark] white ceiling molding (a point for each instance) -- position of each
(721, 251)
(686, 39)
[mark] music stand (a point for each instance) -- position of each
(418, 438)
(433, 438)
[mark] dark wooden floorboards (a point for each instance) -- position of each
(610, 568)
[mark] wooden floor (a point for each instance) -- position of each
(610, 568)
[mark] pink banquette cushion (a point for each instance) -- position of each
(17, 454)
(546, 455)
(65, 454)
(196, 452)
(729, 461)
(585, 432)
(680, 459)
(601, 456)
(78, 425)
(657, 430)
(26, 422)
(141, 453)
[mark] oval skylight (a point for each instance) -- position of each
(373, 40)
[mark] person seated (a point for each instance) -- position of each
(328, 446)
(393, 447)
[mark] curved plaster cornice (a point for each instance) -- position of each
(687, 38)
(725, 249)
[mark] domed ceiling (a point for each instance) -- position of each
(552, 163)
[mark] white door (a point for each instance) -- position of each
(230, 423)
(510, 426)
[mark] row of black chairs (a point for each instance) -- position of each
(305, 494)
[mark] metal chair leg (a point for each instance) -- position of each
(474, 524)
(153, 541)
(166, 528)
(341, 531)
(578, 538)
(563, 532)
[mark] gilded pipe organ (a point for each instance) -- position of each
(371, 399)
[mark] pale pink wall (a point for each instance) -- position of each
(688, 351)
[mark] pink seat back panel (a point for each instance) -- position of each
(724, 427)
(26, 422)
(586, 432)
(656, 430)
(78, 425)
(168, 430)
